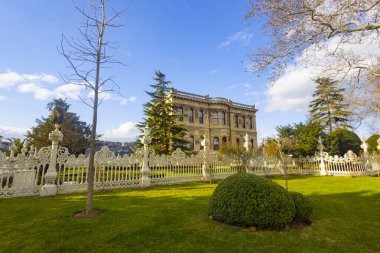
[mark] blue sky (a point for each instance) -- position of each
(201, 46)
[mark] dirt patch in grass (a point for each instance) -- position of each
(84, 215)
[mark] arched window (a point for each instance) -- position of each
(216, 143)
(236, 120)
(191, 143)
(191, 115)
(201, 116)
(223, 118)
(243, 121)
(215, 118)
(237, 142)
(251, 143)
(180, 113)
(250, 123)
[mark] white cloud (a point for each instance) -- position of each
(244, 37)
(293, 90)
(125, 132)
(2, 98)
(110, 96)
(64, 91)
(12, 132)
(10, 78)
(213, 71)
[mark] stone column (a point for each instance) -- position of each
(322, 165)
(246, 142)
(248, 168)
(145, 171)
(367, 163)
(50, 186)
(205, 167)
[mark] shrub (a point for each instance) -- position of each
(303, 207)
(249, 200)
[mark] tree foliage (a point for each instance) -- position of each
(372, 143)
(166, 133)
(75, 132)
(307, 139)
(329, 106)
(340, 141)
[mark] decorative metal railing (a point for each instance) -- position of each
(54, 169)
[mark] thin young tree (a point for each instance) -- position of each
(167, 134)
(88, 57)
(329, 106)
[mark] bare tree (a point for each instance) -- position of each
(336, 38)
(88, 57)
(296, 25)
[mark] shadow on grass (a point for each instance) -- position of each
(174, 219)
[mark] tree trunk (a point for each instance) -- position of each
(91, 167)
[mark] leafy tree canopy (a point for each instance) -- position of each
(340, 141)
(372, 143)
(75, 132)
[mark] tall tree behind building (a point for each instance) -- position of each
(76, 133)
(166, 133)
(329, 107)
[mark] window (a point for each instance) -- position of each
(200, 116)
(223, 118)
(216, 143)
(243, 122)
(191, 143)
(251, 143)
(180, 113)
(191, 115)
(236, 120)
(250, 123)
(215, 118)
(237, 142)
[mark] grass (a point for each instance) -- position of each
(174, 219)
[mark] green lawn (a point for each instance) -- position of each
(174, 219)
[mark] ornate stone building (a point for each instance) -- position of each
(219, 119)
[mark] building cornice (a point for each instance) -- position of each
(211, 100)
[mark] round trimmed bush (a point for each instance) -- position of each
(303, 207)
(248, 200)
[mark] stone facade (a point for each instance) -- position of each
(219, 119)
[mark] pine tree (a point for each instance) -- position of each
(328, 106)
(166, 134)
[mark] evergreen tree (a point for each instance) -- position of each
(166, 134)
(75, 132)
(328, 106)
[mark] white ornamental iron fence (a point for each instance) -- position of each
(53, 170)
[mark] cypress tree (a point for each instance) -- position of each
(328, 106)
(166, 133)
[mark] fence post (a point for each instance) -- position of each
(322, 165)
(367, 162)
(205, 143)
(50, 186)
(145, 171)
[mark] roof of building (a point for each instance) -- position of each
(207, 98)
